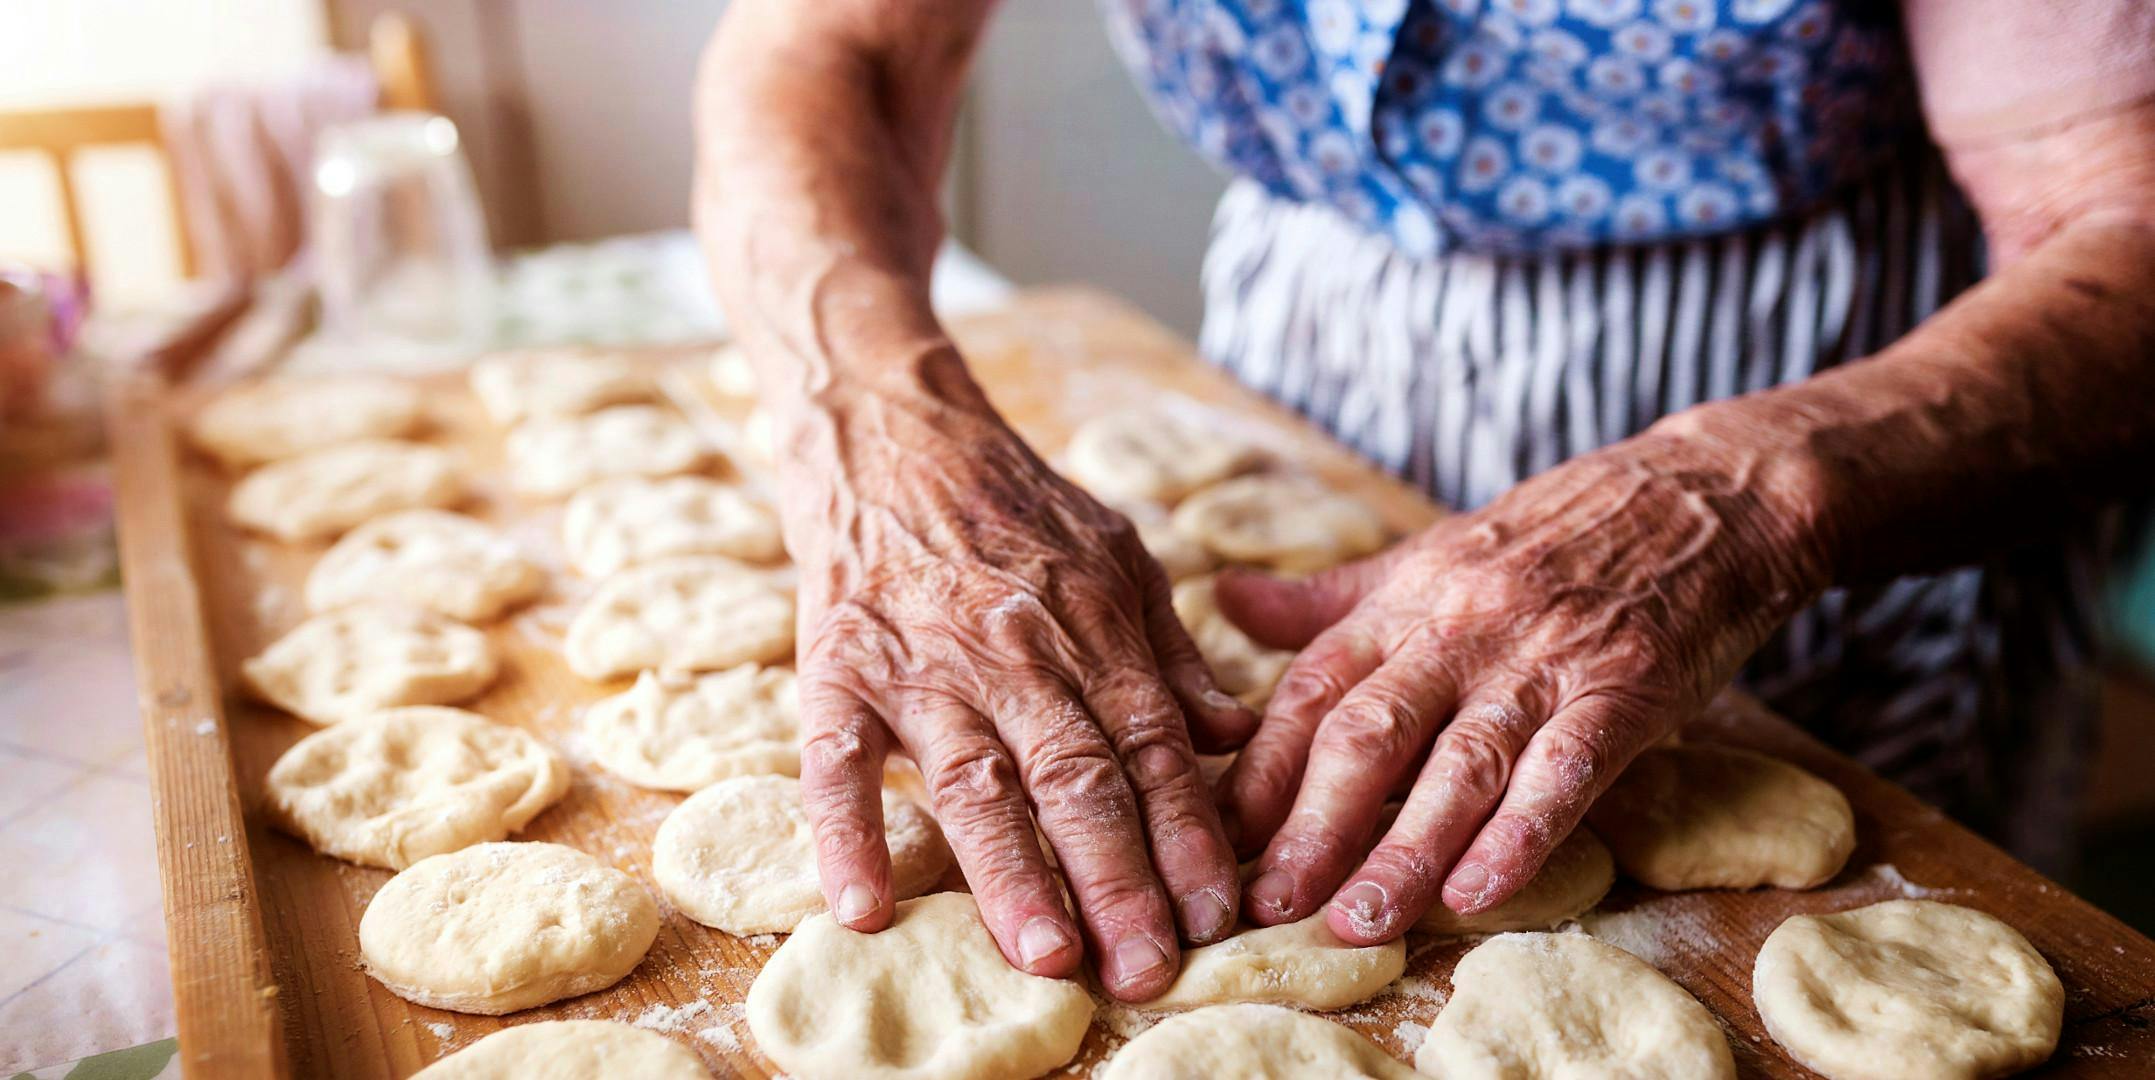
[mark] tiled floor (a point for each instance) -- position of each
(81, 925)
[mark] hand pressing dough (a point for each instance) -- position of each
(569, 1050)
(1699, 816)
(433, 559)
(930, 998)
(359, 660)
(1252, 1042)
(395, 787)
(1549, 1005)
(1240, 665)
(500, 927)
(628, 522)
(1575, 878)
(677, 732)
(1907, 990)
(555, 384)
(281, 418)
(1301, 964)
(549, 458)
(1292, 524)
(1149, 456)
(695, 613)
(740, 856)
(326, 492)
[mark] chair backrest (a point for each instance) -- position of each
(396, 51)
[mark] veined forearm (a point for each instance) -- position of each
(2030, 398)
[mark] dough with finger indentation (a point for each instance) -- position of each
(397, 786)
(621, 523)
(1142, 455)
(553, 384)
(1292, 524)
(678, 732)
(569, 1050)
(1700, 816)
(433, 559)
(549, 458)
(285, 417)
(740, 855)
(318, 495)
(1568, 1005)
(500, 927)
(1301, 963)
(929, 998)
(1258, 1042)
(698, 613)
(1571, 881)
(1908, 990)
(1239, 664)
(358, 660)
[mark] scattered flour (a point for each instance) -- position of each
(442, 1032)
(1410, 1036)
(720, 1037)
(1891, 876)
(1420, 988)
(672, 1019)
(1657, 931)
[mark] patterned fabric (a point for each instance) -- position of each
(1468, 373)
(1530, 125)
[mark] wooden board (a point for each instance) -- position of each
(259, 901)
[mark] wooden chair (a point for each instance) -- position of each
(396, 50)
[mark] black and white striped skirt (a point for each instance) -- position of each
(1467, 373)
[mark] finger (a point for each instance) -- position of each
(973, 784)
(1090, 816)
(1258, 790)
(842, 753)
(1288, 613)
(1564, 767)
(1217, 722)
(1195, 863)
(1457, 789)
(1376, 733)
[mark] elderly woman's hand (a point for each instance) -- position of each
(1018, 641)
(1521, 655)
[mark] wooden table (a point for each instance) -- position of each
(264, 932)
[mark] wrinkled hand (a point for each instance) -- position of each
(1520, 656)
(1018, 642)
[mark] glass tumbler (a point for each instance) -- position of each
(399, 238)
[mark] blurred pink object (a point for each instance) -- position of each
(243, 154)
(32, 337)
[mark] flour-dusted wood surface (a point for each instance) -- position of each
(1050, 360)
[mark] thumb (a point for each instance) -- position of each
(1286, 613)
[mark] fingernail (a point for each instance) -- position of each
(1365, 905)
(1220, 699)
(1204, 916)
(855, 902)
(1463, 890)
(1040, 939)
(1134, 958)
(1273, 889)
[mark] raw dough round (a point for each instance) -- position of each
(1301, 964)
(554, 384)
(1907, 990)
(323, 493)
(693, 613)
(930, 998)
(499, 927)
(758, 438)
(731, 373)
(1241, 666)
(1699, 816)
(426, 558)
(1575, 878)
(1179, 555)
(1292, 524)
(549, 458)
(400, 785)
(569, 1050)
(677, 732)
(1567, 1005)
(1252, 1042)
(1145, 455)
(629, 522)
(358, 660)
(739, 855)
(281, 418)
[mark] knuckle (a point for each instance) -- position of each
(1406, 864)
(1376, 725)
(845, 836)
(834, 752)
(972, 784)
(1569, 763)
(1071, 774)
